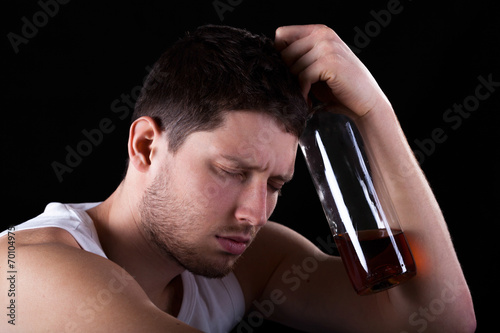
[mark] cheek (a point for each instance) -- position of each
(214, 193)
(271, 205)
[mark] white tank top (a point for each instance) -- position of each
(210, 305)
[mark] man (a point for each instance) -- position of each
(184, 243)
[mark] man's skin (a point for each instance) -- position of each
(221, 187)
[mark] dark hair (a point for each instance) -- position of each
(217, 69)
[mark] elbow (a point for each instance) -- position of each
(465, 314)
(472, 325)
(462, 318)
(449, 313)
(465, 325)
(469, 320)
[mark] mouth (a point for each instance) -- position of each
(234, 245)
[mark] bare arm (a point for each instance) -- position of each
(438, 298)
(64, 289)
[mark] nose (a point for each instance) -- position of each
(252, 205)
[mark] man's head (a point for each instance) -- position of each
(214, 70)
(214, 139)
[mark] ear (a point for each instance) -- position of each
(144, 134)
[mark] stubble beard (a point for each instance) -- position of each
(167, 222)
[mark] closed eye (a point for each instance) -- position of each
(231, 173)
(275, 189)
(239, 175)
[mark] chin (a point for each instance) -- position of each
(213, 269)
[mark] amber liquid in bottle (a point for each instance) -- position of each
(378, 260)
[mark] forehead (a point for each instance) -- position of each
(250, 136)
(253, 126)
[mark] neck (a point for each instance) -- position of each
(117, 221)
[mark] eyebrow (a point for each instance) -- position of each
(244, 165)
(284, 179)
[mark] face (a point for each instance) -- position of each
(209, 199)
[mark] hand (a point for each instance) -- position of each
(328, 69)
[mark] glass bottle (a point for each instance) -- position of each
(359, 211)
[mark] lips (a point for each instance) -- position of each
(235, 245)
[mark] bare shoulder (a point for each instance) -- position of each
(55, 286)
(51, 235)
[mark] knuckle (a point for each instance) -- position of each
(325, 46)
(330, 49)
(336, 59)
(323, 30)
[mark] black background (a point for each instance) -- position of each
(428, 57)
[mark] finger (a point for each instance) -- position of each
(306, 79)
(313, 73)
(304, 61)
(296, 50)
(286, 35)
(306, 51)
